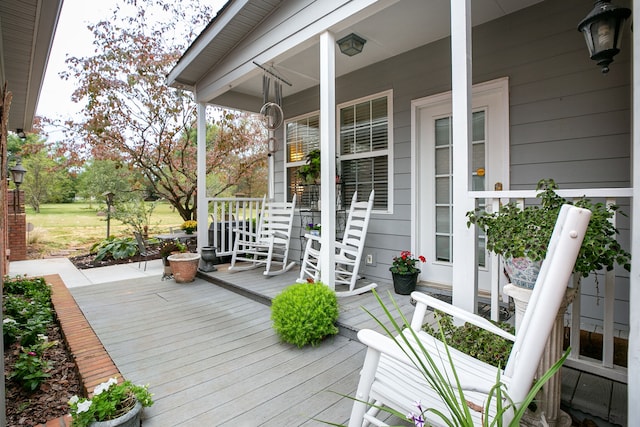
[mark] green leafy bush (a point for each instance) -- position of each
(305, 313)
(27, 310)
(117, 248)
(474, 341)
(31, 368)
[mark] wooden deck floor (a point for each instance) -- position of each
(212, 358)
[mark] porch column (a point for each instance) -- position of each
(201, 193)
(464, 279)
(328, 157)
(633, 364)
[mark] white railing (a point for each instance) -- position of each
(229, 214)
(605, 367)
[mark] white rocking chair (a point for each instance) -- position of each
(390, 378)
(269, 245)
(349, 250)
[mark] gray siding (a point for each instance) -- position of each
(567, 120)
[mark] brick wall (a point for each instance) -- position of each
(17, 226)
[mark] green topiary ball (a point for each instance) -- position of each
(305, 313)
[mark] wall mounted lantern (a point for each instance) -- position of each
(17, 176)
(21, 134)
(602, 29)
(351, 44)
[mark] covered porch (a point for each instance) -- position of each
(556, 116)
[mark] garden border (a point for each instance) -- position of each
(93, 363)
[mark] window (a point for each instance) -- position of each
(302, 136)
(364, 153)
(365, 149)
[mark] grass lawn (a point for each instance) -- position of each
(72, 228)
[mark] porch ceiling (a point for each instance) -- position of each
(26, 35)
(389, 31)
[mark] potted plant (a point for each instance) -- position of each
(310, 172)
(520, 236)
(169, 247)
(189, 226)
(313, 229)
(113, 404)
(405, 273)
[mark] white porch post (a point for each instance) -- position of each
(201, 195)
(464, 255)
(633, 364)
(328, 157)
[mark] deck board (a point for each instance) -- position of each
(212, 357)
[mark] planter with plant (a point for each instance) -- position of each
(404, 272)
(113, 404)
(305, 313)
(520, 236)
(189, 226)
(167, 248)
(310, 172)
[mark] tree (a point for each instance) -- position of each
(100, 176)
(132, 117)
(47, 179)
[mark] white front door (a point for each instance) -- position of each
(433, 171)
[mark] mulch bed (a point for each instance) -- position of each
(50, 400)
(83, 262)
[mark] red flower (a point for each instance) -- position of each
(422, 259)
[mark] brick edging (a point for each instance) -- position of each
(92, 361)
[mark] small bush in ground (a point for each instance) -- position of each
(474, 341)
(27, 310)
(305, 313)
(37, 235)
(31, 368)
(115, 247)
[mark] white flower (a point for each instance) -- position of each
(74, 399)
(83, 406)
(43, 338)
(8, 320)
(104, 386)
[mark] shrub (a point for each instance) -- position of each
(27, 310)
(30, 370)
(305, 313)
(117, 248)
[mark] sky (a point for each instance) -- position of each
(72, 38)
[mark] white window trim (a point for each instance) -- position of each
(287, 164)
(388, 152)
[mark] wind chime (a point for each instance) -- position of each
(271, 111)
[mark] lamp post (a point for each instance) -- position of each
(602, 29)
(17, 176)
(109, 198)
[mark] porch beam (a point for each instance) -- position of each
(328, 157)
(633, 364)
(202, 215)
(464, 275)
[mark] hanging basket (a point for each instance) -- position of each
(404, 284)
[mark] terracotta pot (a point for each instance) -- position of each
(184, 266)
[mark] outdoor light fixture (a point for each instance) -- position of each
(351, 44)
(21, 134)
(602, 29)
(108, 195)
(17, 176)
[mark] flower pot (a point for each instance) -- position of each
(130, 419)
(404, 284)
(184, 266)
(208, 254)
(189, 230)
(522, 271)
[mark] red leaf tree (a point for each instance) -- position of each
(131, 115)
